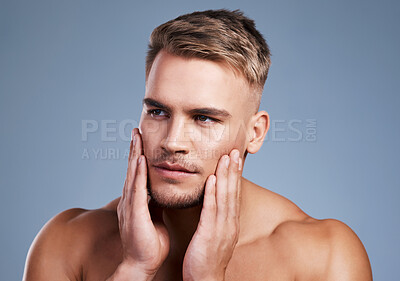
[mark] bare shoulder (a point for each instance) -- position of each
(60, 248)
(323, 249)
(315, 249)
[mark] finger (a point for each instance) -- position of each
(239, 190)
(233, 175)
(139, 191)
(239, 196)
(221, 186)
(131, 146)
(209, 209)
(136, 146)
(138, 141)
(129, 173)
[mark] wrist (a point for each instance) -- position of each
(205, 279)
(128, 272)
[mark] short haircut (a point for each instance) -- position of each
(215, 35)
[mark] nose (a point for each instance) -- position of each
(178, 138)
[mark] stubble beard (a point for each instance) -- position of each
(175, 201)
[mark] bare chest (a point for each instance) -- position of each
(251, 262)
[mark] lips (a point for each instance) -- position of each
(173, 167)
(173, 171)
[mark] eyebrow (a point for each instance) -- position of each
(201, 111)
(154, 103)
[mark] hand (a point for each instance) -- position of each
(145, 244)
(217, 233)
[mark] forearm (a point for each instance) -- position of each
(126, 272)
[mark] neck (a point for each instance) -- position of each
(182, 224)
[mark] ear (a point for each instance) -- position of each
(259, 126)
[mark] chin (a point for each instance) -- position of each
(172, 195)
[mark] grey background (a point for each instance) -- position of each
(335, 62)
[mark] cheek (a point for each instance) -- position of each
(214, 135)
(148, 126)
(212, 143)
(151, 133)
(210, 153)
(214, 148)
(148, 146)
(222, 139)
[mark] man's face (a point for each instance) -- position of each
(194, 112)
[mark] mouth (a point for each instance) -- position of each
(173, 171)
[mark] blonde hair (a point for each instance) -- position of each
(215, 35)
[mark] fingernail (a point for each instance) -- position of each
(240, 164)
(132, 135)
(140, 159)
(227, 159)
(236, 156)
(213, 179)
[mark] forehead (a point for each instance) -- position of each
(193, 82)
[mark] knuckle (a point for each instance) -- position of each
(234, 218)
(211, 205)
(232, 235)
(120, 210)
(136, 187)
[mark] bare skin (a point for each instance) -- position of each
(241, 231)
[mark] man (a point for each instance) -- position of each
(186, 213)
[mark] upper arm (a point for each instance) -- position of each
(50, 256)
(348, 260)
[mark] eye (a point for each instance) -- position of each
(205, 119)
(156, 112)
